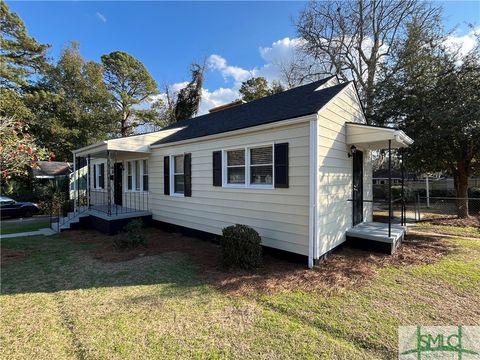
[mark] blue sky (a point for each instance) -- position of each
(168, 36)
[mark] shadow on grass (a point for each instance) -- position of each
(56, 263)
(84, 259)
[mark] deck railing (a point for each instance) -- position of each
(130, 202)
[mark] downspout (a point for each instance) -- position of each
(312, 214)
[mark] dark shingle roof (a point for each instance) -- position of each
(296, 102)
(52, 168)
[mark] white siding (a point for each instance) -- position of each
(334, 182)
(279, 215)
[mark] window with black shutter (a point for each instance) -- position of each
(101, 175)
(217, 168)
(166, 175)
(187, 172)
(281, 165)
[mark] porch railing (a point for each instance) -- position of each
(110, 205)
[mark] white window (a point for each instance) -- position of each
(178, 176)
(261, 166)
(137, 175)
(138, 185)
(99, 176)
(249, 167)
(235, 166)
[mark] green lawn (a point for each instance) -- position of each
(467, 231)
(59, 302)
(30, 225)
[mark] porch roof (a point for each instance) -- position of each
(134, 144)
(376, 137)
(100, 149)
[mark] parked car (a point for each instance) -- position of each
(12, 208)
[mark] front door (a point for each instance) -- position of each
(357, 187)
(117, 184)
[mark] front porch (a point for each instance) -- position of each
(108, 187)
(377, 236)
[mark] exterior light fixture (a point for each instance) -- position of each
(353, 150)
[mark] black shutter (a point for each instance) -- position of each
(281, 165)
(166, 175)
(217, 168)
(94, 176)
(187, 174)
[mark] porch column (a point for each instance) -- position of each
(88, 181)
(75, 180)
(109, 192)
(402, 159)
(389, 188)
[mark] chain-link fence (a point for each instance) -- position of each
(438, 208)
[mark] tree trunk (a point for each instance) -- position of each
(461, 188)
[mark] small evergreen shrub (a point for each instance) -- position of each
(134, 236)
(241, 247)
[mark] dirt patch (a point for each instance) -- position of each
(9, 256)
(345, 268)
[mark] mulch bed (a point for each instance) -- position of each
(345, 268)
(9, 256)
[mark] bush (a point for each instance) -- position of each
(134, 236)
(241, 247)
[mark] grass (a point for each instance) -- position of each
(59, 302)
(466, 231)
(18, 227)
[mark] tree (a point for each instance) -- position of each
(188, 98)
(20, 57)
(435, 96)
(352, 38)
(20, 54)
(18, 148)
(72, 104)
(131, 85)
(182, 104)
(258, 87)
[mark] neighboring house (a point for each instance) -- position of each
(52, 170)
(295, 166)
(381, 177)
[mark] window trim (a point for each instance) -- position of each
(248, 184)
(125, 175)
(96, 177)
(172, 175)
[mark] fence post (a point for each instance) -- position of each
(418, 207)
(427, 186)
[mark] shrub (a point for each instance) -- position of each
(241, 247)
(134, 236)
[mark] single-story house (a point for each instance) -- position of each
(295, 166)
(51, 170)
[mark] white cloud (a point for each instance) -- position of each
(463, 44)
(217, 97)
(210, 99)
(101, 17)
(281, 50)
(218, 63)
